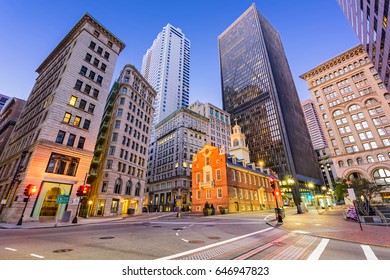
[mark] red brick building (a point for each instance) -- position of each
(229, 180)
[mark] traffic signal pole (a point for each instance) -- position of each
(20, 222)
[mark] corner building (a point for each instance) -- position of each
(353, 107)
(258, 91)
(53, 142)
(118, 169)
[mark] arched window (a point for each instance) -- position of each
(124, 90)
(349, 162)
(337, 112)
(382, 177)
(235, 142)
(353, 107)
(371, 101)
(341, 163)
(324, 116)
(359, 160)
(355, 175)
(128, 188)
(370, 159)
(137, 189)
(386, 95)
(381, 157)
(118, 186)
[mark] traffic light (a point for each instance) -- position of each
(85, 190)
(30, 190)
(79, 192)
(272, 182)
(276, 193)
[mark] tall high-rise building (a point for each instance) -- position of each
(166, 66)
(8, 118)
(3, 100)
(53, 142)
(220, 126)
(178, 138)
(354, 112)
(118, 169)
(258, 90)
(369, 20)
(313, 124)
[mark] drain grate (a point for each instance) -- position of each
(196, 241)
(62, 250)
(107, 237)
(178, 228)
(214, 237)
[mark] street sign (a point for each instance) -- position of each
(62, 199)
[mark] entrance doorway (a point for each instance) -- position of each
(49, 206)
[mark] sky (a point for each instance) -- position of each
(312, 32)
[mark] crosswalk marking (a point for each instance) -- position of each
(315, 255)
(368, 252)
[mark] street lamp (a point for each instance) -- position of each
(295, 193)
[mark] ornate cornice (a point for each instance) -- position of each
(324, 67)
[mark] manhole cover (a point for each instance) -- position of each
(196, 241)
(214, 237)
(62, 250)
(107, 237)
(177, 228)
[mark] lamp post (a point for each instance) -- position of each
(29, 191)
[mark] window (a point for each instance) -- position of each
(99, 50)
(198, 195)
(96, 62)
(118, 186)
(87, 123)
(208, 194)
(120, 112)
(88, 57)
(370, 159)
(62, 164)
(341, 163)
(99, 80)
(60, 137)
(111, 151)
(91, 108)
(219, 192)
(381, 157)
(114, 137)
(81, 143)
(239, 176)
(128, 188)
(78, 85)
(73, 100)
(71, 139)
(83, 70)
(92, 75)
(104, 186)
(197, 178)
(103, 67)
(207, 159)
(87, 89)
(92, 45)
(82, 104)
(76, 121)
(233, 175)
(218, 175)
(359, 160)
(117, 124)
(106, 55)
(109, 164)
(96, 93)
(67, 117)
(382, 177)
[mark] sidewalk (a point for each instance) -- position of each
(84, 221)
(331, 224)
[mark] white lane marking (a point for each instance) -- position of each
(37, 256)
(177, 234)
(11, 249)
(267, 217)
(185, 240)
(213, 245)
(316, 254)
(300, 231)
(370, 255)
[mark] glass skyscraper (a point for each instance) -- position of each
(258, 90)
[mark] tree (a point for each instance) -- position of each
(365, 188)
(341, 187)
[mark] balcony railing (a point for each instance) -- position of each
(207, 185)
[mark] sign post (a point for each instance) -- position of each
(61, 200)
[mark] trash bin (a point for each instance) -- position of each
(66, 216)
(130, 211)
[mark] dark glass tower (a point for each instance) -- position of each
(258, 90)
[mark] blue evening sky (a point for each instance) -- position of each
(311, 31)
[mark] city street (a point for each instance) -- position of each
(191, 237)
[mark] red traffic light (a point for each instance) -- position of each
(30, 190)
(83, 191)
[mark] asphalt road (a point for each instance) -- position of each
(244, 236)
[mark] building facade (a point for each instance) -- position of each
(3, 100)
(353, 105)
(369, 20)
(53, 141)
(313, 125)
(220, 126)
(258, 91)
(178, 138)
(8, 118)
(230, 181)
(119, 167)
(166, 66)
